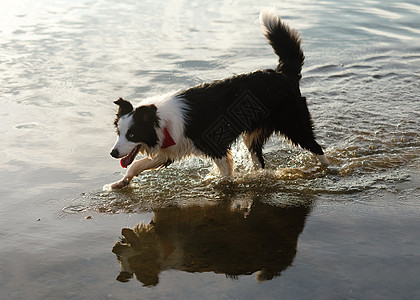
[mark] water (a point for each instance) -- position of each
(294, 231)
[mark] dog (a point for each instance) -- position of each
(206, 119)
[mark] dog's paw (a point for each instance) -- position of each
(116, 185)
(119, 184)
(324, 160)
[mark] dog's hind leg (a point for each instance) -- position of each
(255, 141)
(309, 143)
(323, 159)
(225, 164)
(314, 147)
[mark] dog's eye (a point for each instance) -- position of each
(130, 135)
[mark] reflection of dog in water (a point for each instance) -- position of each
(206, 119)
(215, 239)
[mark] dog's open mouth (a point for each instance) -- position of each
(128, 159)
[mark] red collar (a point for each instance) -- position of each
(168, 141)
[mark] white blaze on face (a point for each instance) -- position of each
(122, 145)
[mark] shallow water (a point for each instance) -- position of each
(293, 231)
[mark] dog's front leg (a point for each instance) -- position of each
(136, 168)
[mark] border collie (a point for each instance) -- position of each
(206, 119)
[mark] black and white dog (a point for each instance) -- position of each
(206, 119)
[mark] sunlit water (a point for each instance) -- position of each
(347, 231)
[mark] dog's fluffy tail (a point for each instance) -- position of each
(285, 42)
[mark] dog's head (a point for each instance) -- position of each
(136, 128)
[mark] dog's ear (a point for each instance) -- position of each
(146, 113)
(124, 107)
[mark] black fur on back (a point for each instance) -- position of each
(256, 104)
(212, 124)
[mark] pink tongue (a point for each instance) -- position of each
(127, 160)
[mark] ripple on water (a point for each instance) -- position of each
(74, 209)
(185, 185)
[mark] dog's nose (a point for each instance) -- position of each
(114, 153)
